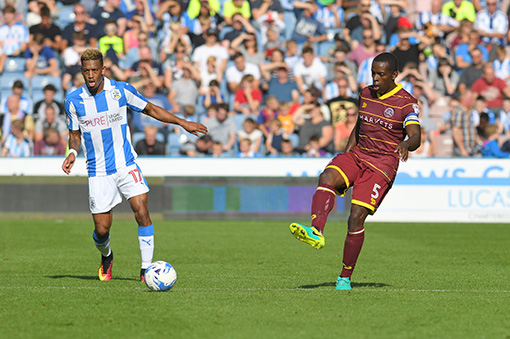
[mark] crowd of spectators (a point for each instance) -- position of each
(267, 77)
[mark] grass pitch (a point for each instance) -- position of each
(251, 279)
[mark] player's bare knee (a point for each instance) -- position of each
(328, 177)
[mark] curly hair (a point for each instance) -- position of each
(92, 54)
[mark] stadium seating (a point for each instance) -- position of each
(7, 79)
(65, 16)
(15, 65)
(175, 142)
(38, 83)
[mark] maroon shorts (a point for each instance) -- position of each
(369, 186)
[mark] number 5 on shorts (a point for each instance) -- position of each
(375, 195)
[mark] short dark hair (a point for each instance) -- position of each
(50, 87)
(237, 55)
(388, 58)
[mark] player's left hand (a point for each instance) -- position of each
(194, 128)
(403, 150)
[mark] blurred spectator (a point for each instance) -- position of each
(71, 58)
(49, 92)
(251, 132)
(145, 14)
(16, 145)
(269, 69)
(40, 59)
(287, 148)
(247, 44)
(146, 70)
(249, 97)
(366, 49)
(463, 52)
(171, 11)
(459, 36)
(245, 150)
(408, 53)
(281, 86)
(341, 73)
(482, 112)
(286, 118)
(202, 23)
(50, 120)
(331, 13)
(240, 26)
(150, 145)
(444, 79)
(111, 44)
(307, 28)
(492, 88)
(271, 111)
(149, 91)
(13, 35)
(109, 11)
(360, 20)
(25, 103)
(184, 92)
(275, 137)
(344, 128)
(52, 33)
(199, 147)
(340, 54)
(315, 150)
(196, 7)
(222, 128)
(50, 144)
(178, 36)
(490, 146)
(482, 123)
(310, 72)
(79, 25)
(504, 116)
(211, 48)
(133, 55)
(236, 6)
(492, 24)
(339, 104)
(217, 149)
(236, 72)
(502, 64)
(364, 77)
(271, 8)
(471, 73)
(434, 23)
(271, 28)
(135, 26)
(459, 10)
(292, 58)
(213, 94)
(311, 122)
(463, 131)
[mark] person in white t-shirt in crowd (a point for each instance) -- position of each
(241, 68)
(210, 48)
(311, 71)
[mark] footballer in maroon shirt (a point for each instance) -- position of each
(387, 114)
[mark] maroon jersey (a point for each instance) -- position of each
(382, 127)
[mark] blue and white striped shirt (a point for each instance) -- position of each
(13, 36)
(102, 119)
(492, 23)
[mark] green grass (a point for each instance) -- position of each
(242, 279)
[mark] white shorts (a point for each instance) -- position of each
(104, 191)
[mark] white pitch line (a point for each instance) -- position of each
(259, 289)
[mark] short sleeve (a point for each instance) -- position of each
(73, 123)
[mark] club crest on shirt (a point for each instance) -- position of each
(389, 112)
(364, 105)
(116, 94)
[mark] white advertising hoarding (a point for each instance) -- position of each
(428, 190)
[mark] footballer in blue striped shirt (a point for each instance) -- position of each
(97, 117)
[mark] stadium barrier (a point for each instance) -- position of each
(426, 190)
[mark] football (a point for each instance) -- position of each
(160, 276)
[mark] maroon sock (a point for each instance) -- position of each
(352, 247)
(322, 203)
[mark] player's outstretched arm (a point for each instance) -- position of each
(412, 143)
(74, 143)
(161, 114)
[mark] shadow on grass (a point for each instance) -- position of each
(353, 284)
(85, 277)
